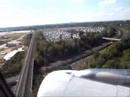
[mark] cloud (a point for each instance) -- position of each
(114, 13)
(111, 10)
(106, 2)
(58, 11)
(77, 1)
(124, 13)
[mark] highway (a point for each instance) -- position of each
(24, 85)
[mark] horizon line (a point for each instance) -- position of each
(49, 24)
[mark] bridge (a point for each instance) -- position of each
(24, 84)
(25, 79)
(111, 39)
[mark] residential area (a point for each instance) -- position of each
(10, 44)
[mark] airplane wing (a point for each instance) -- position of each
(83, 83)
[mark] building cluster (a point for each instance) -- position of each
(9, 49)
(10, 44)
(69, 33)
(55, 36)
(91, 29)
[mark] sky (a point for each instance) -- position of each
(38, 12)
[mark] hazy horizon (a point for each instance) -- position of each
(65, 23)
(41, 12)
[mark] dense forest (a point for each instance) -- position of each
(115, 56)
(48, 52)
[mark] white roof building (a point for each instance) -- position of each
(9, 55)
